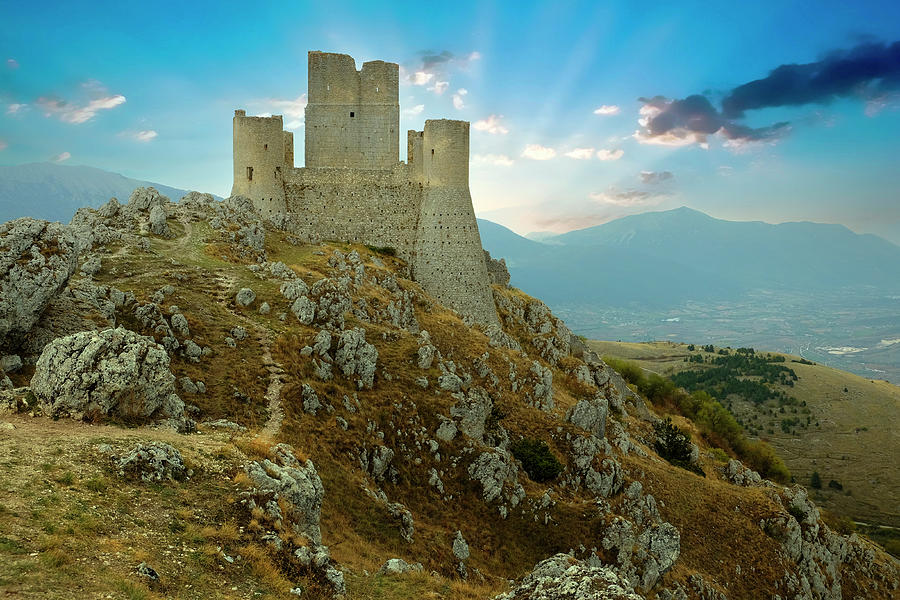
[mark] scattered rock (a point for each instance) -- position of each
(398, 566)
(180, 325)
(245, 297)
(152, 462)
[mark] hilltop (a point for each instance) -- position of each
(205, 406)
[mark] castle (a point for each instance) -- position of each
(354, 187)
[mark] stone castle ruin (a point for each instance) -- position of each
(355, 188)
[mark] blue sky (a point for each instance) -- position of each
(581, 112)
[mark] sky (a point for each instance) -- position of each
(581, 112)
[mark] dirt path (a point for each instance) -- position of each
(225, 284)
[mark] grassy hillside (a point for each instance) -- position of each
(852, 438)
(72, 527)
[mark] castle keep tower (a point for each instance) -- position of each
(354, 188)
(352, 117)
(260, 158)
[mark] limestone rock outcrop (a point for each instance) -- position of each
(282, 477)
(115, 372)
(36, 260)
(562, 577)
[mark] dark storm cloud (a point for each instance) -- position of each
(692, 120)
(869, 71)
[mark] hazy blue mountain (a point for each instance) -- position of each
(54, 192)
(797, 256)
(685, 254)
(602, 275)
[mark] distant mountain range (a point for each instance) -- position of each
(54, 192)
(665, 258)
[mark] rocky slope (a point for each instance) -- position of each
(202, 405)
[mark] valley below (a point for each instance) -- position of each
(845, 329)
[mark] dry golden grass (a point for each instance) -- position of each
(855, 445)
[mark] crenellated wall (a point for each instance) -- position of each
(354, 188)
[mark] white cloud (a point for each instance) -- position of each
(294, 111)
(725, 171)
(627, 198)
(500, 160)
(610, 154)
(421, 77)
(581, 153)
(61, 157)
(145, 135)
(675, 138)
(3, 145)
(439, 87)
(607, 109)
(538, 152)
(13, 109)
(413, 111)
(491, 124)
(12, 63)
(458, 103)
(72, 113)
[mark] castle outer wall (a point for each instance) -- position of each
(354, 187)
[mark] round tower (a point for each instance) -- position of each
(259, 162)
(449, 261)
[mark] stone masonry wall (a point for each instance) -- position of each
(377, 208)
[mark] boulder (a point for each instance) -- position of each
(398, 566)
(158, 223)
(180, 325)
(36, 260)
(115, 372)
(590, 415)
(304, 309)
(245, 297)
(356, 357)
(152, 461)
(738, 474)
(562, 577)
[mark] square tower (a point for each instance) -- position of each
(352, 117)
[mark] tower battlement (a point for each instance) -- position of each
(353, 186)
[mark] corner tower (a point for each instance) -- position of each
(352, 117)
(260, 160)
(449, 261)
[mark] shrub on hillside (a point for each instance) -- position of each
(674, 445)
(537, 459)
